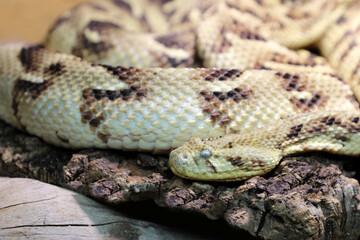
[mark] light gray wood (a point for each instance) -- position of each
(30, 209)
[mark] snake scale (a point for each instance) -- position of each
(225, 84)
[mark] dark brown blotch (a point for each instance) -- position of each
(355, 120)
(122, 4)
(135, 87)
(330, 121)
(217, 93)
(251, 35)
(30, 57)
(141, 93)
(85, 47)
(99, 26)
(112, 95)
(209, 78)
(103, 137)
(33, 89)
(341, 20)
(237, 94)
(294, 131)
(341, 138)
(225, 120)
(90, 95)
(335, 76)
(90, 100)
(95, 122)
(291, 81)
(306, 104)
(209, 97)
(174, 62)
(207, 109)
(99, 94)
(215, 115)
(55, 69)
(244, 93)
(122, 73)
(235, 161)
(86, 93)
(126, 92)
(204, 92)
(349, 48)
(222, 74)
(222, 97)
(87, 115)
(172, 40)
(231, 94)
(209, 164)
(315, 98)
(232, 5)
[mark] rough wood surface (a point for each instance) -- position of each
(305, 197)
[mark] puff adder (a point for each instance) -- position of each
(227, 84)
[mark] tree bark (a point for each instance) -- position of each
(306, 196)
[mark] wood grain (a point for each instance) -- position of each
(36, 210)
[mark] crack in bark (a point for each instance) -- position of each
(25, 203)
(75, 225)
(344, 215)
(261, 223)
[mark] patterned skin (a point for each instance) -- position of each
(257, 82)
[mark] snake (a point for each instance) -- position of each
(227, 87)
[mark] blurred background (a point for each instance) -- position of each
(30, 19)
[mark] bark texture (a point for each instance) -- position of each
(36, 210)
(311, 196)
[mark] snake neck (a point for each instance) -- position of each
(337, 133)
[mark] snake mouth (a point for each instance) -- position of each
(195, 167)
(187, 166)
(177, 163)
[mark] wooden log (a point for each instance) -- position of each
(35, 210)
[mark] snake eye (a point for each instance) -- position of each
(205, 154)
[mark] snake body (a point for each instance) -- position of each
(257, 99)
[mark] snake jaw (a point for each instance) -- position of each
(192, 160)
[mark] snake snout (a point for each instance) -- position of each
(191, 159)
(179, 161)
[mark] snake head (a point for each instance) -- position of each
(217, 160)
